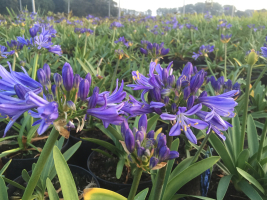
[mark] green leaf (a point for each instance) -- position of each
(141, 195)
(5, 167)
(223, 153)
(119, 169)
(181, 167)
(187, 175)
(104, 130)
(26, 177)
(242, 159)
(3, 190)
(253, 143)
(102, 143)
(31, 133)
(223, 186)
(13, 183)
(51, 190)
(178, 196)
(249, 190)
(115, 133)
(64, 175)
(235, 135)
(251, 179)
(151, 123)
(7, 138)
(101, 194)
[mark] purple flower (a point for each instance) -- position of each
(183, 122)
(264, 51)
(4, 53)
(115, 25)
(84, 89)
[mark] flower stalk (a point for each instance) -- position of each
(135, 184)
(225, 59)
(245, 113)
(114, 75)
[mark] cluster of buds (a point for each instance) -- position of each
(120, 54)
(155, 50)
(143, 149)
(124, 41)
(220, 86)
(191, 27)
(115, 25)
(252, 56)
(83, 30)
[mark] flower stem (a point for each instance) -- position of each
(113, 36)
(225, 58)
(156, 194)
(35, 66)
(245, 113)
(85, 44)
(135, 184)
(200, 148)
(40, 164)
(114, 75)
(209, 67)
(14, 62)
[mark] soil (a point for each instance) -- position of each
(105, 168)
(23, 154)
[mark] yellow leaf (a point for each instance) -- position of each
(101, 194)
(157, 132)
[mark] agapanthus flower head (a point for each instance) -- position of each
(115, 25)
(225, 38)
(145, 150)
(203, 51)
(207, 16)
(191, 26)
(224, 25)
(155, 50)
(251, 25)
(4, 53)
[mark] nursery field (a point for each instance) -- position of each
(138, 107)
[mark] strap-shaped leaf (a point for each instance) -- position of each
(251, 179)
(101, 194)
(223, 186)
(249, 190)
(66, 180)
(253, 143)
(51, 190)
(3, 190)
(187, 175)
(141, 195)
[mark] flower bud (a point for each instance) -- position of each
(89, 78)
(157, 94)
(124, 127)
(147, 153)
(33, 32)
(164, 76)
(50, 97)
(67, 75)
(166, 100)
(161, 139)
(188, 70)
(173, 155)
(150, 134)
(76, 81)
(144, 159)
(71, 105)
(143, 51)
(57, 79)
(164, 51)
(164, 153)
(84, 89)
(190, 102)
(153, 162)
(170, 81)
(236, 86)
(47, 71)
(228, 85)
(139, 136)
(252, 57)
(142, 122)
(129, 140)
(187, 92)
(93, 99)
(41, 76)
(140, 151)
(70, 125)
(174, 108)
(54, 90)
(196, 81)
(20, 91)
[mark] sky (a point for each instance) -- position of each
(144, 5)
